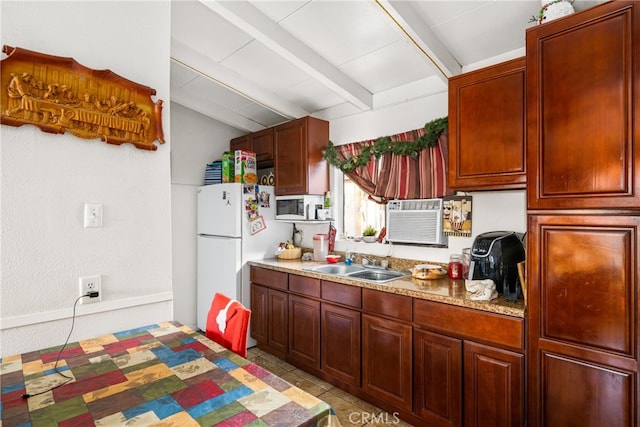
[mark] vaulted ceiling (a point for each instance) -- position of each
(255, 64)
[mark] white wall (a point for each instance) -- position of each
(46, 179)
(196, 141)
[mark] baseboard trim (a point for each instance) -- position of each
(82, 310)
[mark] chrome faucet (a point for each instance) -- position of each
(369, 260)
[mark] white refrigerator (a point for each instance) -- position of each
(236, 223)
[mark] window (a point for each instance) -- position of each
(359, 211)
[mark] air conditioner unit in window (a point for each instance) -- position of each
(415, 221)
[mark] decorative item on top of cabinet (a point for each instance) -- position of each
(299, 165)
(487, 128)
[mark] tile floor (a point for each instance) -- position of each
(351, 411)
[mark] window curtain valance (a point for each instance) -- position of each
(408, 165)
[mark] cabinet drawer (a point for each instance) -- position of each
(387, 304)
(342, 294)
(271, 278)
(304, 285)
(468, 323)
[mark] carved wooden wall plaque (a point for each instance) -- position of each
(59, 95)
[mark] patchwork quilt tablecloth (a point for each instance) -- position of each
(165, 374)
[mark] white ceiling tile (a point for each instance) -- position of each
(388, 67)
(180, 75)
(203, 88)
(278, 10)
(197, 26)
(311, 95)
(341, 30)
(481, 38)
(258, 64)
(262, 115)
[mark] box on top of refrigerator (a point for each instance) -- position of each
(246, 169)
(228, 167)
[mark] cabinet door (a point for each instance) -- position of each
(304, 331)
(291, 158)
(386, 360)
(259, 317)
(299, 165)
(582, 279)
(487, 128)
(277, 325)
(493, 387)
(341, 343)
(582, 107)
(241, 143)
(437, 366)
(262, 143)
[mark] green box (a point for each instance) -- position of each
(228, 166)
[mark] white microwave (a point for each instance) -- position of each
(298, 208)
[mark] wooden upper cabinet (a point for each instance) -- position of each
(241, 143)
(582, 109)
(487, 128)
(299, 165)
(260, 142)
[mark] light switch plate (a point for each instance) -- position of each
(92, 215)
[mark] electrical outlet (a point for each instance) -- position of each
(90, 284)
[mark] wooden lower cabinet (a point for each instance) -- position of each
(269, 320)
(341, 343)
(493, 387)
(386, 360)
(584, 319)
(259, 317)
(437, 366)
(304, 331)
(427, 362)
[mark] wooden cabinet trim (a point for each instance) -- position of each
(387, 304)
(304, 285)
(342, 294)
(271, 278)
(492, 328)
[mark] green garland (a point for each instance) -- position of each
(384, 145)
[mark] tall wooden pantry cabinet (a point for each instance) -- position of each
(583, 200)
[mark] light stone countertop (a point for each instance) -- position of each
(444, 290)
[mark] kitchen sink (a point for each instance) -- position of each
(359, 272)
(339, 269)
(378, 276)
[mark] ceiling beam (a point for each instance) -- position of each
(206, 67)
(419, 33)
(259, 26)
